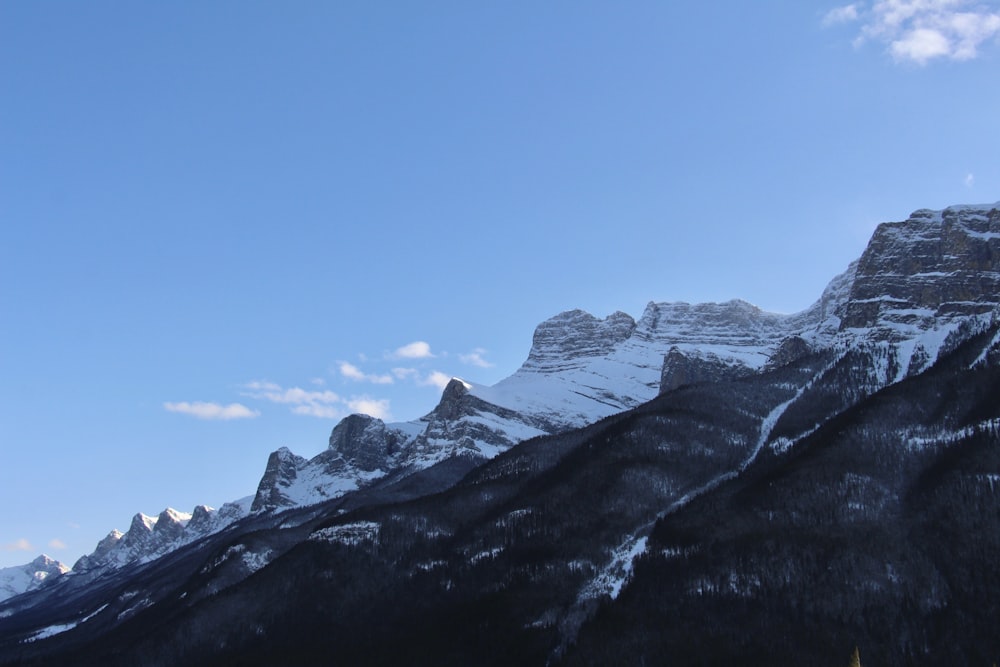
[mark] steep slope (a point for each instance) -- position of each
(878, 530)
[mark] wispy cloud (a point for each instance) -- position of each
(375, 407)
(19, 545)
(323, 404)
(274, 393)
(405, 373)
(352, 372)
(261, 385)
(57, 544)
(315, 410)
(315, 403)
(475, 358)
(418, 349)
(212, 410)
(918, 31)
(844, 14)
(970, 180)
(436, 379)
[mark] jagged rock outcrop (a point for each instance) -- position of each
(475, 426)
(365, 441)
(149, 537)
(363, 448)
(281, 472)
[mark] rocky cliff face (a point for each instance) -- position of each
(927, 271)
(566, 340)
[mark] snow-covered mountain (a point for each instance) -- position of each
(149, 537)
(21, 578)
(841, 420)
(918, 282)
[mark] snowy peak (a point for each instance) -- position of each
(149, 537)
(22, 578)
(931, 268)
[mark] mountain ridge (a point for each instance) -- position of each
(582, 369)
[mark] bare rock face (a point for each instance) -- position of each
(282, 469)
(364, 441)
(680, 369)
(100, 555)
(564, 340)
(929, 269)
(733, 323)
(791, 349)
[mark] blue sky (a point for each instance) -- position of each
(227, 224)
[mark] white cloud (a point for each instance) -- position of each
(404, 373)
(919, 31)
(319, 382)
(274, 393)
(321, 411)
(262, 385)
(436, 379)
(57, 544)
(970, 180)
(19, 545)
(844, 14)
(475, 358)
(416, 350)
(322, 404)
(920, 45)
(212, 410)
(378, 408)
(352, 372)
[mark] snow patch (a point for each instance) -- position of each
(613, 577)
(62, 627)
(349, 534)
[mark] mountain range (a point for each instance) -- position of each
(709, 483)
